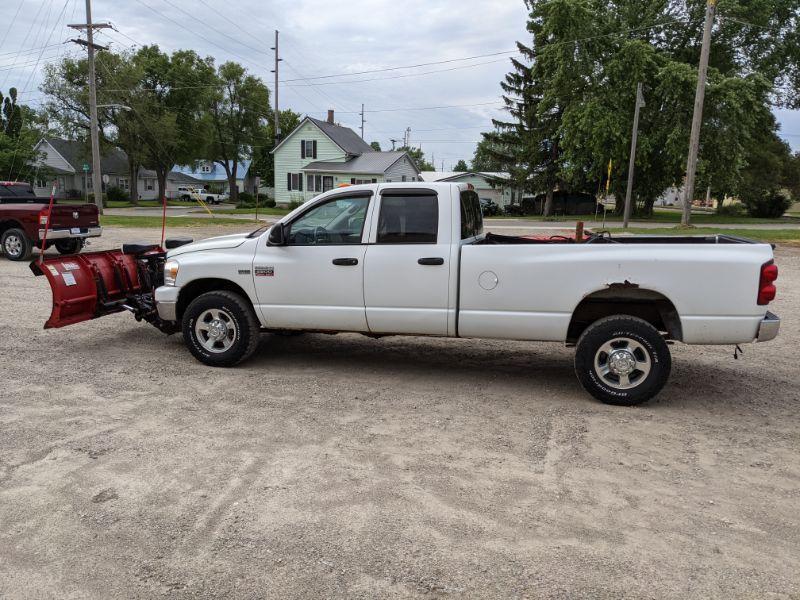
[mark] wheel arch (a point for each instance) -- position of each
(626, 299)
(6, 224)
(195, 288)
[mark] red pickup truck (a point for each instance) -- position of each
(23, 217)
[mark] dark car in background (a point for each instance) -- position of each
(24, 216)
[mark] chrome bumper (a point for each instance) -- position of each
(60, 234)
(167, 302)
(768, 328)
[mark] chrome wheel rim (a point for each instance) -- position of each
(12, 245)
(215, 330)
(622, 363)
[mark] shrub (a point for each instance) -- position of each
(246, 200)
(294, 204)
(269, 202)
(513, 210)
(770, 204)
(731, 210)
(116, 194)
(73, 194)
(91, 198)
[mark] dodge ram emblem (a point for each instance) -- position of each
(75, 214)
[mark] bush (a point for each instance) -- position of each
(246, 200)
(269, 202)
(116, 194)
(513, 210)
(73, 194)
(770, 204)
(90, 199)
(294, 204)
(731, 210)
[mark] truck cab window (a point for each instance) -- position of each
(412, 219)
(335, 222)
(471, 215)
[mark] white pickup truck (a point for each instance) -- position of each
(413, 259)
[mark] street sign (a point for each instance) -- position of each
(85, 167)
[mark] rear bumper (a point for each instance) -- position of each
(167, 302)
(76, 232)
(768, 328)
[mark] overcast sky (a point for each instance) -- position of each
(317, 38)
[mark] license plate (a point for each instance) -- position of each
(75, 230)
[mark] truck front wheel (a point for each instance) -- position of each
(220, 328)
(622, 360)
(16, 245)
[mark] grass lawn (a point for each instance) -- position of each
(248, 211)
(665, 216)
(762, 235)
(144, 203)
(137, 221)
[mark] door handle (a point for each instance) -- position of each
(345, 262)
(431, 261)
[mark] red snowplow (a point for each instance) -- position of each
(94, 284)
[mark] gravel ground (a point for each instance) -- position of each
(341, 466)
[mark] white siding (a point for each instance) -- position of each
(288, 159)
(52, 158)
(400, 168)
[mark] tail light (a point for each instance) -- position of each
(766, 287)
(43, 215)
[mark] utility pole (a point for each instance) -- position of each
(697, 117)
(362, 120)
(639, 103)
(97, 176)
(277, 126)
(393, 142)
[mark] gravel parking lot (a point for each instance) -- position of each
(342, 466)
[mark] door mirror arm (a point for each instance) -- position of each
(278, 235)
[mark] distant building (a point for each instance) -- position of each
(483, 182)
(321, 155)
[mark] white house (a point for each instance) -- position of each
(320, 155)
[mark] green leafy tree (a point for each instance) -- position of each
(461, 166)
(376, 146)
(238, 112)
(19, 132)
(418, 156)
(263, 161)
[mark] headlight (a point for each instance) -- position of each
(170, 272)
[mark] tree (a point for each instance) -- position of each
(461, 166)
(238, 112)
(263, 161)
(418, 156)
(376, 146)
(570, 98)
(485, 157)
(18, 135)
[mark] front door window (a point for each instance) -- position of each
(336, 222)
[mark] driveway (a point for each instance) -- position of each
(344, 466)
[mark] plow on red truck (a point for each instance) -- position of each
(413, 259)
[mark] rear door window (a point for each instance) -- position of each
(471, 215)
(408, 219)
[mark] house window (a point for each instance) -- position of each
(149, 184)
(404, 178)
(124, 183)
(294, 182)
(355, 181)
(308, 148)
(40, 183)
(314, 183)
(327, 182)
(61, 183)
(205, 168)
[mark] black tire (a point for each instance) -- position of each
(633, 338)
(186, 198)
(235, 310)
(70, 246)
(210, 200)
(16, 245)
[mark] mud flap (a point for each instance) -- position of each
(91, 285)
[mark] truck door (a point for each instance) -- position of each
(407, 266)
(316, 281)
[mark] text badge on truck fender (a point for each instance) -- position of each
(87, 286)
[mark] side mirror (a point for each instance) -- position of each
(277, 235)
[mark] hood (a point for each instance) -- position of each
(215, 243)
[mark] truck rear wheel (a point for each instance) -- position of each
(16, 245)
(220, 328)
(622, 360)
(69, 246)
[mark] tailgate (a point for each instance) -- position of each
(76, 215)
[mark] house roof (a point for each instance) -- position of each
(76, 153)
(432, 176)
(372, 162)
(344, 137)
(217, 172)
